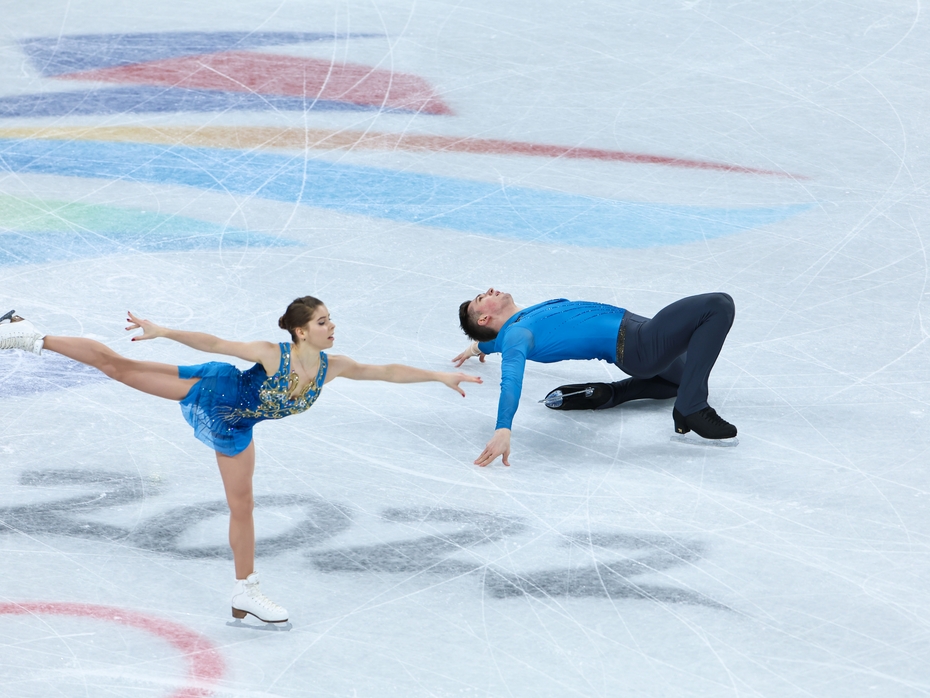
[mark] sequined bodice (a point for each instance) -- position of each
(275, 395)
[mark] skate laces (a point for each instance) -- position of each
(256, 595)
(13, 334)
(19, 333)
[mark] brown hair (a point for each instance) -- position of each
(471, 327)
(298, 314)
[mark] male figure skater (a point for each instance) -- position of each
(670, 355)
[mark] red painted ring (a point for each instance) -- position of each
(205, 665)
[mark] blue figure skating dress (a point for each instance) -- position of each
(226, 403)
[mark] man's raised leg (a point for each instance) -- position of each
(695, 327)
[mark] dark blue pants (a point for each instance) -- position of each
(680, 344)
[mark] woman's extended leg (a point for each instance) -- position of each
(236, 472)
(150, 377)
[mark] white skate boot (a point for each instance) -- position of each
(17, 333)
(248, 598)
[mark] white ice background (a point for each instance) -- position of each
(606, 561)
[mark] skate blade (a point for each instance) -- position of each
(695, 440)
(270, 627)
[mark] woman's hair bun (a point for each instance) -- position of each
(298, 314)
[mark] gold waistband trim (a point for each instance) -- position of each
(621, 340)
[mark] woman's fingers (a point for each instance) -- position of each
(457, 378)
(134, 322)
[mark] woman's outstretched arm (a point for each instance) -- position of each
(265, 353)
(343, 366)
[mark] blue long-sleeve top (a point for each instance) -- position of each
(556, 330)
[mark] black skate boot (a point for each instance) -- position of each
(707, 424)
(602, 396)
(579, 396)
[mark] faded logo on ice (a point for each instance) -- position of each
(208, 72)
(446, 542)
(197, 72)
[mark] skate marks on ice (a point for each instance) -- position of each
(41, 231)
(427, 553)
(655, 553)
(22, 373)
(41, 622)
(430, 554)
(452, 202)
(162, 533)
(444, 545)
(98, 489)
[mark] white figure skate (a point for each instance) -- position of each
(17, 333)
(247, 598)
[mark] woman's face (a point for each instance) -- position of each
(320, 331)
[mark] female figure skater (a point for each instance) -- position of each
(222, 403)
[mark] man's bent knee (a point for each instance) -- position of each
(721, 303)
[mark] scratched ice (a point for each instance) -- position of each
(203, 164)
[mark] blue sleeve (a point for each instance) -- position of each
(487, 347)
(517, 344)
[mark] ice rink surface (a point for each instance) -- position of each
(202, 164)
